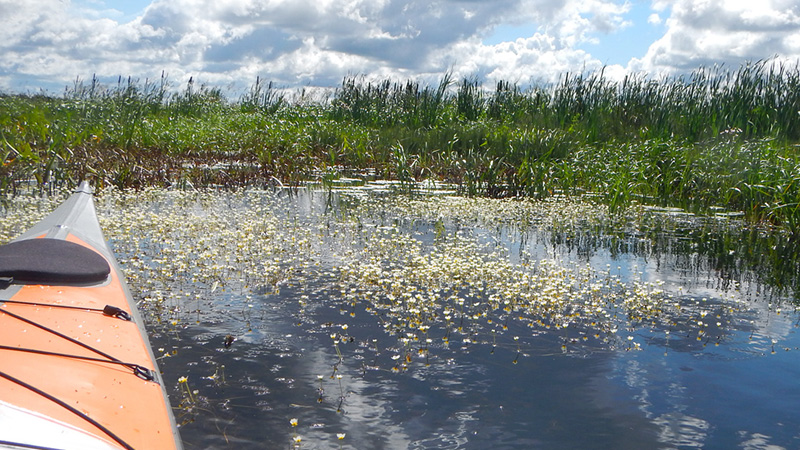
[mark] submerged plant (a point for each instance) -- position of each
(676, 141)
(227, 274)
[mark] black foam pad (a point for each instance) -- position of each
(51, 261)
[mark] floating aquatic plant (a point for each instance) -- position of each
(437, 273)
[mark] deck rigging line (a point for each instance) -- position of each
(112, 311)
(108, 310)
(68, 408)
(140, 371)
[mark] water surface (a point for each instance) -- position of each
(438, 322)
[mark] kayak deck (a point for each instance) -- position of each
(76, 369)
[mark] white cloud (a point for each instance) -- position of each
(539, 58)
(708, 32)
(296, 41)
(654, 19)
(317, 42)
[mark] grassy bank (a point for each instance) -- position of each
(717, 137)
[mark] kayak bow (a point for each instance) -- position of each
(76, 367)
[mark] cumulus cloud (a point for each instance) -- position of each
(708, 32)
(297, 41)
(318, 42)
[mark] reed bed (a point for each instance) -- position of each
(716, 137)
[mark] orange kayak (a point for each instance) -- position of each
(76, 367)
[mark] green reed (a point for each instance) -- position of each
(715, 137)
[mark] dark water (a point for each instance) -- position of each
(734, 386)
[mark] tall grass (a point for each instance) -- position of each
(716, 137)
(390, 104)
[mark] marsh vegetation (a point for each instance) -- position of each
(586, 264)
(338, 316)
(718, 137)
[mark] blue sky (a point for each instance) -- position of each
(47, 44)
(632, 40)
(616, 47)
